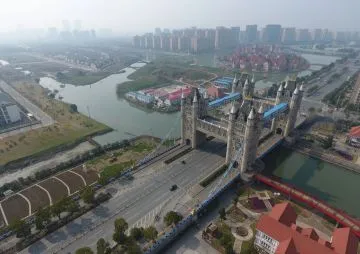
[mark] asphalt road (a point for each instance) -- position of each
(45, 119)
(134, 200)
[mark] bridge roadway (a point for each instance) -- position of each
(133, 200)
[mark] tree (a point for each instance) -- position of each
(43, 217)
(73, 108)
(21, 228)
(235, 200)
(136, 233)
(84, 250)
(172, 217)
(121, 225)
(133, 248)
(71, 206)
(150, 233)
(328, 142)
(58, 208)
(222, 213)
(102, 246)
(88, 195)
(312, 110)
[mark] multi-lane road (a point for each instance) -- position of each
(134, 200)
(45, 119)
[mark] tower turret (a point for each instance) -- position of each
(246, 89)
(250, 143)
(182, 117)
(252, 90)
(294, 109)
(195, 110)
(230, 133)
(278, 100)
(234, 84)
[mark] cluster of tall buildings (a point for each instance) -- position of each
(68, 32)
(198, 40)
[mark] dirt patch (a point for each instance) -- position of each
(37, 196)
(74, 182)
(56, 189)
(15, 207)
(90, 176)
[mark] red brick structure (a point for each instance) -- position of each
(277, 232)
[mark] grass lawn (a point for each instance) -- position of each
(80, 78)
(248, 246)
(69, 127)
(115, 169)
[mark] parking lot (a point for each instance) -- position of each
(47, 192)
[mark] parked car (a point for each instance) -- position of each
(174, 187)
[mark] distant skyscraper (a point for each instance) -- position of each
(136, 41)
(157, 31)
(166, 31)
(318, 35)
(235, 31)
(77, 25)
(66, 25)
(251, 33)
(224, 38)
(303, 35)
(289, 35)
(272, 34)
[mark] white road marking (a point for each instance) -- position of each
(27, 200)
(4, 216)
(67, 186)
(82, 178)
(48, 193)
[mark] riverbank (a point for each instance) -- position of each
(70, 129)
(325, 156)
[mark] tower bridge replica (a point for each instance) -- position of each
(254, 126)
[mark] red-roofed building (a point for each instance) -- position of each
(354, 136)
(277, 232)
(215, 92)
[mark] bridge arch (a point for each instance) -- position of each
(279, 131)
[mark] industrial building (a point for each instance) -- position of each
(9, 111)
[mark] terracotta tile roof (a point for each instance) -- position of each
(295, 240)
(344, 242)
(355, 131)
(284, 213)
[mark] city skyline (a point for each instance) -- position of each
(140, 16)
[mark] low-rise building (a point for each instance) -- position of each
(354, 136)
(277, 232)
(9, 111)
(215, 92)
(355, 98)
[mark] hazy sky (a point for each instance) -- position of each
(137, 16)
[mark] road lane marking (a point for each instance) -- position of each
(82, 178)
(67, 186)
(27, 200)
(48, 193)
(4, 216)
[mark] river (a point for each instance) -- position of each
(336, 186)
(101, 102)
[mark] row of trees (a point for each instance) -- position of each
(44, 216)
(128, 243)
(21, 183)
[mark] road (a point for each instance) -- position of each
(45, 119)
(134, 200)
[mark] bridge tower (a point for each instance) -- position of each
(253, 124)
(183, 118)
(278, 100)
(234, 85)
(252, 88)
(247, 89)
(195, 111)
(230, 134)
(294, 109)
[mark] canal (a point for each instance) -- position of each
(100, 101)
(336, 186)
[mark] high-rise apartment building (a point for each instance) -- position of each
(224, 38)
(136, 41)
(272, 34)
(303, 35)
(289, 35)
(184, 43)
(174, 43)
(156, 42)
(157, 31)
(251, 33)
(318, 35)
(235, 32)
(200, 44)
